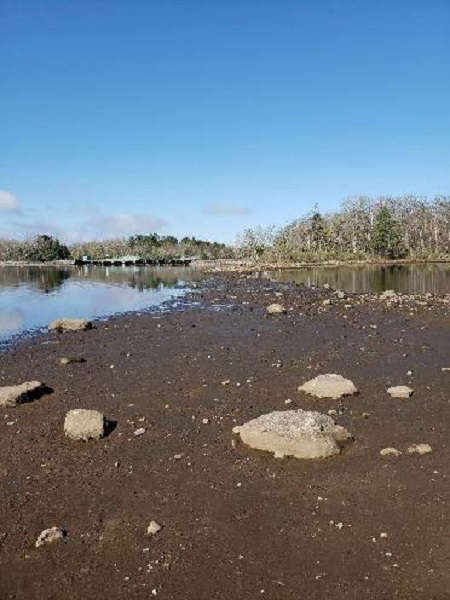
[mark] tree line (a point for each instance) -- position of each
(388, 227)
(42, 248)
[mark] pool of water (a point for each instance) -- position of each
(32, 297)
(410, 279)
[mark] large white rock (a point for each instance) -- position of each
(329, 386)
(275, 309)
(18, 394)
(400, 391)
(299, 433)
(83, 424)
(61, 325)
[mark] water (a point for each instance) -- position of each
(32, 297)
(409, 279)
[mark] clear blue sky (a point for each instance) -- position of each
(194, 117)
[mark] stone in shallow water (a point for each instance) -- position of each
(298, 433)
(400, 391)
(61, 325)
(18, 394)
(84, 424)
(329, 386)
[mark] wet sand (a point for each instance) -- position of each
(237, 523)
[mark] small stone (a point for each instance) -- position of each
(326, 302)
(48, 536)
(400, 391)
(420, 449)
(61, 325)
(329, 386)
(66, 360)
(139, 431)
(12, 395)
(390, 452)
(275, 309)
(205, 421)
(153, 528)
(84, 424)
(340, 295)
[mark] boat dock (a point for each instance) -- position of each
(133, 261)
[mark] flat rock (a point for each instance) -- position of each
(48, 536)
(390, 452)
(298, 433)
(275, 309)
(153, 528)
(400, 391)
(420, 449)
(18, 394)
(84, 424)
(329, 386)
(61, 325)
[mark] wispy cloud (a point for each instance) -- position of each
(226, 210)
(8, 203)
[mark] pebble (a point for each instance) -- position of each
(48, 536)
(153, 528)
(139, 431)
(420, 449)
(390, 452)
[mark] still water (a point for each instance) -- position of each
(409, 279)
(32, 297)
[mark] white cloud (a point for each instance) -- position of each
(125, 224)
(226, 210)
(8, 203)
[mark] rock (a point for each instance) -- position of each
(298, 433)
(62, 325)
(329, 386)
(139, 431)
(48, 536)
(390, 452)
(153, 528)
(12, 395)
(69, 360)
(84, 424)
(340, 295)
(326, 302)
(420, 449)
(400, 391)
(275, 309)
(388, 294)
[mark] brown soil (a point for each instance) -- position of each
(236, 523)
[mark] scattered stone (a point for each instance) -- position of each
(84, 424)
(276, 309)
(420, 449)
(61, 325)
(298, 433)
(340, 295)
(69, 360)
(153, 528)
(139, 431)
(329, 386)
(388, 294)
(205, 421)
(12, 395)
(390, 452)
(48, 536)
(326, 302)
(400, 391)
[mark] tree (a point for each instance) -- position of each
(45, 247)
(386, 234)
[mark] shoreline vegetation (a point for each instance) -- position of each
(363, 231)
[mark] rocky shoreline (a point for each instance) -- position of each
(167, 503)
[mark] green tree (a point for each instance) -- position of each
(386, 235)
(45, 247)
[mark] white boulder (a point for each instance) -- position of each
(298, 433)
(83, 424)
(275, 309)
(18, 394)
(329, 386)
(420, 449)
(400, 391)
(390, 452)
(61, 325)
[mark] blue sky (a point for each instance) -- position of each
(203, 117)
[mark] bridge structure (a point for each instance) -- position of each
(131, 261)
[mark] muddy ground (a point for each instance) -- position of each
(237, 524)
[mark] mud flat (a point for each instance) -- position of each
(169, 505)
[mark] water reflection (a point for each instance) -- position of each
(410, 279)
(32, 297)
